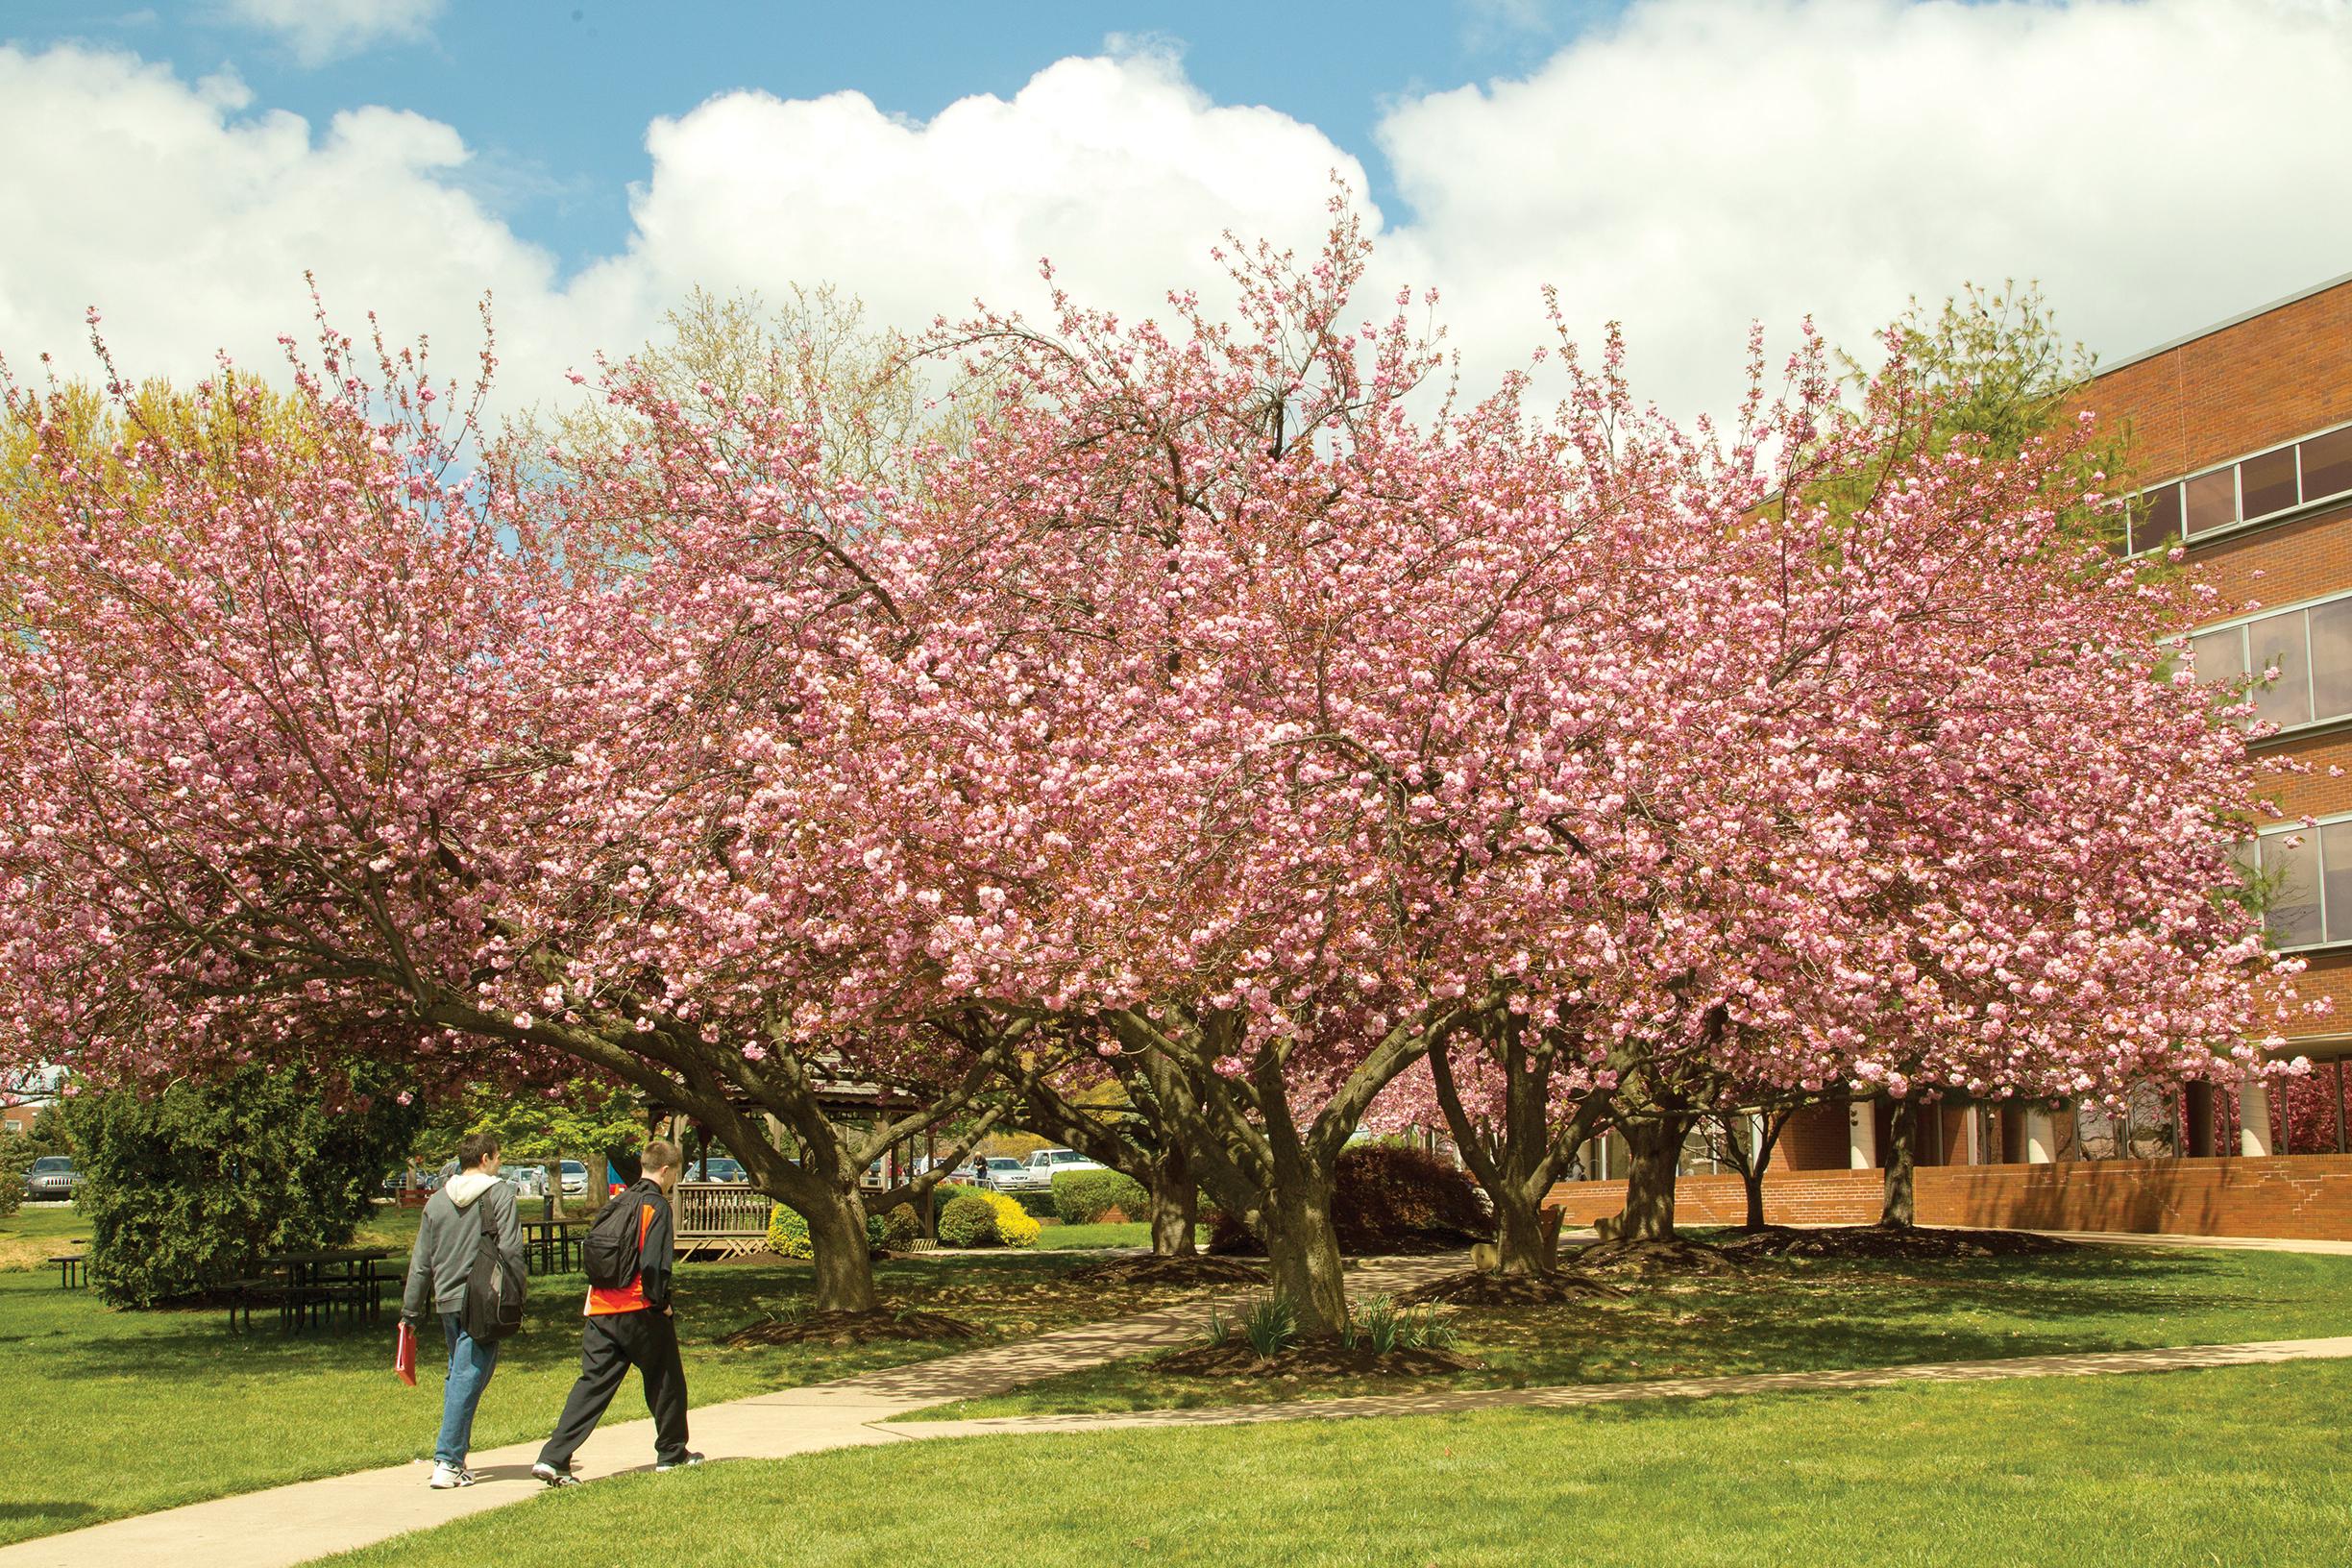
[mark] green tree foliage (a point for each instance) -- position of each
(186, 1188)
(17, 1157)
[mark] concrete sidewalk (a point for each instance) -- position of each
(287, 1525)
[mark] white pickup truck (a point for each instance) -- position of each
(1036, 1174)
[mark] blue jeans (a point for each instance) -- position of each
(470, 1365)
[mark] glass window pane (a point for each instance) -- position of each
(2336, 872)
(2331, 659)
(2290, 865)
(2157, 522)
(2219, 656)
(2213, 501)
(2327, 464)
(2275, 642)
(2268, 483)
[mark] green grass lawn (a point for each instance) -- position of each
(38, 1232)
(2245, 1466)
(114, 1413)
(1059, 1238)
(1796, 1314)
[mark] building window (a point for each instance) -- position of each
(2307, 875)
(2306, 473)
(2300, 660)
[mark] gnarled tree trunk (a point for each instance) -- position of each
(1175, 1204)
(1897, 1212)
(1654, 1145)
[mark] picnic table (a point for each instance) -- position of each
(310, 1285)
(73, 1268)
(552, 1246)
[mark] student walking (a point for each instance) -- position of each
(629, 1324)
(473, 1215)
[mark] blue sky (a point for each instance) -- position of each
(554, 95)
(1682, 166)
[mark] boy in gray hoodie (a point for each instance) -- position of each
(449, 1238)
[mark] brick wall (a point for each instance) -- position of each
(2230, 392)
(2305, 1195)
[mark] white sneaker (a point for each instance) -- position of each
(666, 1466)
(446, 1476)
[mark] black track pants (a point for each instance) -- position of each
(609, 1346)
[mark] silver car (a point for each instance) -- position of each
(52, 1176)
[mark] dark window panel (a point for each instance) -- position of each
(2277, 641)
(2331, 661)
(2290, 865)
(2336, 874)
(2327, 464)
(2211, 501)
(2159, 523)
(2268, 483)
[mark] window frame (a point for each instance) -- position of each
(2310, 686)
(2319, 875)
(2179, 483)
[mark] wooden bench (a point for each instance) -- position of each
(73, 1270)
(265, 1290)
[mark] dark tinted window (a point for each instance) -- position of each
(2213, 501)
(2160, 520)
(2331, 663)
(2268, 483)
(2276, 642)
(2327, 464)
(2290, 865)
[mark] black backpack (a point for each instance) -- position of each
(493, 1292)
(609, 1255)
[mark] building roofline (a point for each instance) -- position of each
(2280, 303)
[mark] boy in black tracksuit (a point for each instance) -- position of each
(631, 1326)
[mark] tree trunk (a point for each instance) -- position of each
(1898, 1211)
(844, 1268)
(1175, 1205)
(1303, 1255)
(1655, 1146)
(1525, 1236)
(1752, 1179)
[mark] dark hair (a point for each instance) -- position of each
(659, 1155)
(473, 1148)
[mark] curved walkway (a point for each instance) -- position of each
(289, 1525)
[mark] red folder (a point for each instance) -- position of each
(403, 1356)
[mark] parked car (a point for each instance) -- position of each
(574, 1179)
(52, 1176)
(721, 1169)
(1047, 1162)
(999, 1173)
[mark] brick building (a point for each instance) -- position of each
(2241, 434)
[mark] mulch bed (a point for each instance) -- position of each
(1197, 1269)
(852, 1328)
(1314, 1357)
(1677, 1256)
(1473, 1289)
(1874, 1241)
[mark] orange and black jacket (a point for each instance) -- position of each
(656, 1244)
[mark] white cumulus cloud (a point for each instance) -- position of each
(319, 30)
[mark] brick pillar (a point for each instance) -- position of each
(2197, 1102)
(1862, 1134)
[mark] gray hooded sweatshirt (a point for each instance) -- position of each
(448, 1238)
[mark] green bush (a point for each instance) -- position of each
(185, 1189)
(1083, 1197)
(1388, 1198)
(968, 1222)
(902, 1226)
(17, 1157)
(788, 1234)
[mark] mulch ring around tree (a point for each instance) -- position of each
(852, 1328)
(1902, 1243)
(1473, 1289)
(1674, 1256)
(1312, 1358)
(1171, 1271)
